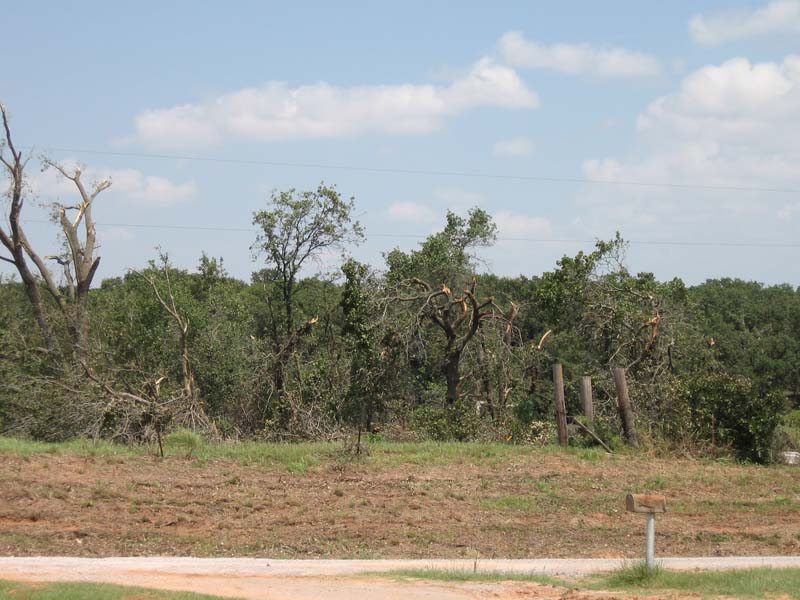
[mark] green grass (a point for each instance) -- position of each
(457, 575)
(294, 457)
(89, 591)
(83, 447)
(509, 503)
(746, 583)
(759, 583)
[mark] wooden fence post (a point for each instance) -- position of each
(586, 399)
(560, 404)
(624, 406)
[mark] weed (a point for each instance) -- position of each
(657, 482)
(184, 440)
(637, 574)
(746, 583)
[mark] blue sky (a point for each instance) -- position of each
(705, 94)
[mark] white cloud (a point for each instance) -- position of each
(275, 111)
(576, 59)
(512, 225)
(732, 125)
(130, 185)
(514, 147)
(777, 17)
(412, 212)
(151, 189)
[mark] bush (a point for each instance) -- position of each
(744, 417)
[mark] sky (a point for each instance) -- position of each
(674, 123)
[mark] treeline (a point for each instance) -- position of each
(427, 348)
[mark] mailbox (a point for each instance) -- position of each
(650, 505)
(646, 503)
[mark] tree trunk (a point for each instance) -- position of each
(32, 291)
(453, 376)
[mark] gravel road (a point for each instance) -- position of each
(267, 579)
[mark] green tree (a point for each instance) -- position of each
(296, 229)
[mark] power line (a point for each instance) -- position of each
(679, 243)
(386, 170)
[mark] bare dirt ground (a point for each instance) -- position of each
(523, 504)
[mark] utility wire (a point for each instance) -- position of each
(233, 229)
(382, 170)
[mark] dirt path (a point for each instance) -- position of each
(265, 579)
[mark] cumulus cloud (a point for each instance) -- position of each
(412, 212)
(575, 59)
(151, 189)
(130, 185)
(512, 225)
(514, 147)
(729, 125)
(276, 111)
(777, 17)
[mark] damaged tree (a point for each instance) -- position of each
(459, 318)
(297, 229)
(79, 262)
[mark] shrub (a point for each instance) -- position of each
(744, 417)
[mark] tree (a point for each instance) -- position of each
(79, 262)
(363, 392)
(439, 280)
(297, 229)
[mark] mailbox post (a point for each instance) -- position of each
(650, 505)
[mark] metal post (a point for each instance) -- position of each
(651, 541)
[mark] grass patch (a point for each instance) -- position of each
(745, 583)
(295, 458)
(89, 591)
(465, 576)
(509, 503)
(394, 454)
(82, 447)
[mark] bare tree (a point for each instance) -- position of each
(192, 405)
(14, 240)
(79, 263)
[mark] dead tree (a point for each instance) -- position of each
(79, 263)
(14, 240)
(182, 322)
(190, 404)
